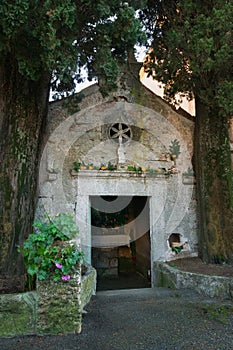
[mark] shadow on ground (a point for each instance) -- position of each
(130, 280)
(143, 319)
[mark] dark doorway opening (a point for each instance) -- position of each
(121, 241)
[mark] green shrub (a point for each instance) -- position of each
(48, 251)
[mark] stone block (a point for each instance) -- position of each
(113, 262)
(100, 264)
(17, 314)
(88, 286)
(59, 309)
(110, 272)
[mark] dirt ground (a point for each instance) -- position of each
(196, 265)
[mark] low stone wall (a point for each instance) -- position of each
(54, 308)
(17, 314)
(88, 286)
(211, 286)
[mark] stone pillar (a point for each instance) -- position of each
(59, 309)
(83, 220)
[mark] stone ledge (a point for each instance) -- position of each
(88, 286)
(210, 286)
(117, 173)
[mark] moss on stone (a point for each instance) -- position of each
(17, 314)
(88, 286)
(55, 308)
(164, 279)
(59, 306)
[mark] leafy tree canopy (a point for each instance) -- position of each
(192, 53)
(192, 48)
(62, 36)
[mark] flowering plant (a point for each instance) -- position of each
(48, 251)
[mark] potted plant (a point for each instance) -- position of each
(102, 166)
(49, 252)
(79, 166)
(131, 168)
(111, 166)
(82, 167)
(174, 150)
(90, 166)
(76, 166)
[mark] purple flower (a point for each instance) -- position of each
(65, 278)
(59, 266)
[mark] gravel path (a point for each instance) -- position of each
(145, 319)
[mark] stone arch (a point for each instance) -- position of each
(58, 191)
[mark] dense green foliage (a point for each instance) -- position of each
(193, 49)
(61, 37)
(44, 44)
(192, 53)
(44, 254)
(48, 40)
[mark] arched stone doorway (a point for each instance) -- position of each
(126, 135)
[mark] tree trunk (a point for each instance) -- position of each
(214, 185)
(23, 115)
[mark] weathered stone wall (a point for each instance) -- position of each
(211, 286)
(169, 202)
(54, 308)
(105, 261)
(88, 286)
(59, 306)
(79, 130)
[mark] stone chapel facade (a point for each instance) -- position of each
(134, 186)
